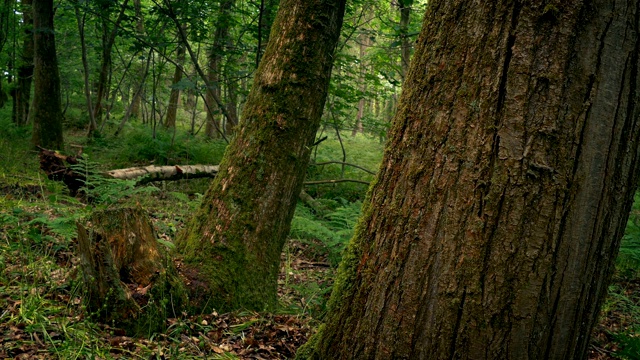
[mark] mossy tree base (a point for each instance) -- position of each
(128, 278)
(233, 243)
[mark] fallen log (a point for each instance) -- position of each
(147, 174)
(53, 164)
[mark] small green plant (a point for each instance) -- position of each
(333, 231)
(102, 190)
(628, 261)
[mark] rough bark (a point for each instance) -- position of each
(505, 188)
(47, 112)
(128, 278)
(235, 239)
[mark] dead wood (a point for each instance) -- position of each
(147, 174)
(128, 277)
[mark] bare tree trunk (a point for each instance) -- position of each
(363, 41)
(174, 98)
(47, 113)
(135, 101)
(22, 91)
(85, 64)
(405, 52)
(214, 75)
(265, 21)
(108, 39)
(235, 239)
(6, 9)
(492, 229)
(131, 109)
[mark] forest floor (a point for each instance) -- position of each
(41, 307)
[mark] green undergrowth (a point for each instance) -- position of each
(41, 309)
(618, 333)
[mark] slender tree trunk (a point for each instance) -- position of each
(22, 92)
(212, 127)
(505, 188)
(108, 39)
(142, 74)
(47, 113)
(6, 9)
(363, 41)
(85, 64)
(232, 103)
(265, 21)
(405, 43)
(174, 98)
(235, 239)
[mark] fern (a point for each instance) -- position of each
(107, 191)
(333, 232)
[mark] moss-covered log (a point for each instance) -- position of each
(235, 239)
(128, 278)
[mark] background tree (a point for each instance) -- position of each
(23, 58)
(504, 191)
(47, 113)
(235, 239)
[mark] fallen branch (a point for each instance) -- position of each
(343, 163)
(318, 182)
(153, 173)
(53, 164)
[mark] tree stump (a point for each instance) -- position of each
(129, 279)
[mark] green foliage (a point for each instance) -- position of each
(628, 261)
(102, 190)
(333, 231)
(140, 146)
(630, 346)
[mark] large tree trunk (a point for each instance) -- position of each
(491, 230)
(47, 113)
(235, 239)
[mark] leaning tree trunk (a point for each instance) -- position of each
(492, 228)
(47, 112)
(235, 239)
